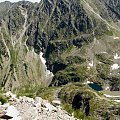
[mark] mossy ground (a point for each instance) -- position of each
(99, 105)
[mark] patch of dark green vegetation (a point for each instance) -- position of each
(104, 59)
(103, 70)
(109, 33)
(81, 101)
(3, 99)
(74, 60)
(73, 73)
(46, 93)
(115, 83)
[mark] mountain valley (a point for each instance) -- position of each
(55, 49)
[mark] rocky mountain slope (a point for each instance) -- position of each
(25, 108)
(20, 66)
(75, 37)
(58, 42)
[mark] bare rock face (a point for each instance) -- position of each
(25, 108)
(56, 102)
(2, 113)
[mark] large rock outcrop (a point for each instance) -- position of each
(25, 108)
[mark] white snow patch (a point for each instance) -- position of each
(42, 59)
(88, 82)
(34, 54)
(117, 100)
(12, 111)
(116, 56)
(104, 52)
(110, 96)
(91, 64)
(115, 38)
(44, 63)
(115, 66)
(107, 88)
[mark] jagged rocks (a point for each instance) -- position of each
(56, 102)
(48, 106)
(26, 108)
(2, 113)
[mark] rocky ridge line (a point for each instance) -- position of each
(25, 108)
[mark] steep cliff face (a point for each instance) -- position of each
(79, 39)
(113, 9)
(79, 36)
(20, 66)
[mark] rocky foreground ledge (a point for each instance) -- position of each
(25, 108)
